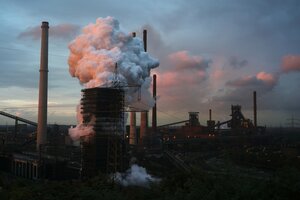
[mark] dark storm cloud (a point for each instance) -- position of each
(20, 68)
(236, 63)
(156, 43)
(157, 46)
(262, 80)
(245, 82)
(14, 71)
(27, 76)
(60, 31)
(25, 79)
(260, 32)
(256, 28)
(239, 91)
(284, 97)
(128, 12)
(243, 96)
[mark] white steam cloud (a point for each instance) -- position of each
(137, 176)
(93, 57)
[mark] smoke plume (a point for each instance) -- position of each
(93, 58)
(137, 176)
(59, 31)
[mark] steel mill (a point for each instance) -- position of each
(108, 145)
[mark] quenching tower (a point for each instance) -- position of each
(103, 109)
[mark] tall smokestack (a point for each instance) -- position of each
(144, 114)
(255, 109)
(144, 124)
(132, 131)
(154, 119)
(43, 88)
(209, 114)
(145, 40)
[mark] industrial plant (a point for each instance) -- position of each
(109, 145)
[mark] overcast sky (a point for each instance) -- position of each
(212, 53)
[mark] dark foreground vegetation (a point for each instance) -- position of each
(283, 184)
(264, 167)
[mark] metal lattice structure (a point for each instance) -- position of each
(102, 108)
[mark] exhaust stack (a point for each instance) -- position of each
(154, 117)
(144, 114)
(145, 40)
(143, 125)
(255, 109)
(132, 131)
(43, 88)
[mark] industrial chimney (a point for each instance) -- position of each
(144, 114)
(143, 125)
(43, 89)
(132, 131)
(154, 117)
(254, 109)
(145, 40)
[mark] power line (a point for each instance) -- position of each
(158, 110)
(36, 106)
(293, 122)
(30, 51)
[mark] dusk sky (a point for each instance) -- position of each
(212, 54)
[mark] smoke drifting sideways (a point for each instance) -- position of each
(93, 57)
(136, 176)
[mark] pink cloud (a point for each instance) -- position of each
(290, 63)
(267, 78)
(217, 74)
(178, 85)
(178, 79)
(183, 61)
(261, 79)
(237, 63)
(167, 79)
(185, 70)
(243, 81)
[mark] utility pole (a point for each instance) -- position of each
(293, 122)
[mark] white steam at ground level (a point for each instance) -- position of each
(136, 176)
(93, 58)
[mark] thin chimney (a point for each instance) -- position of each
(145, 40)
(209, 114)
(255, 109)
(43, 88)
(143, 125)
(154, 117)
(132, 131)
(144, 114)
